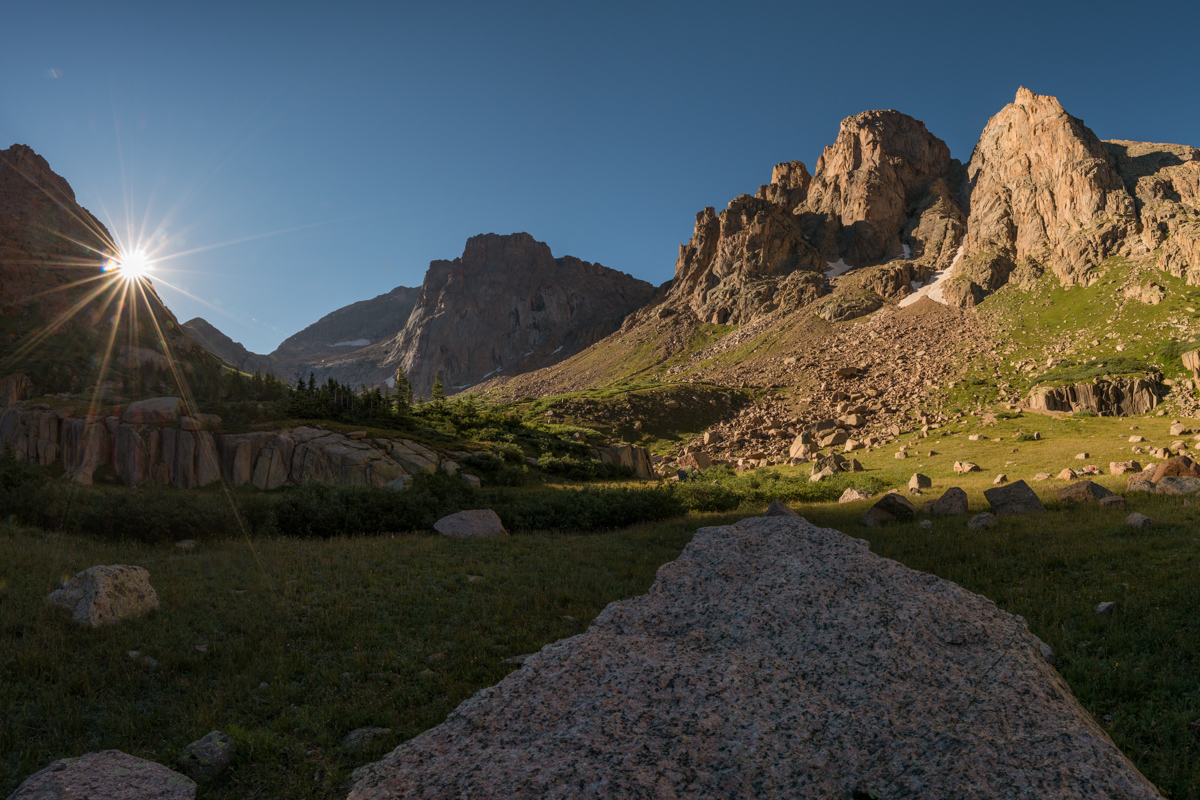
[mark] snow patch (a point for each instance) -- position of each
(839, 267)
(531, 352)
(907, 252)
(934, 289)
(355, 343)
(560, 347)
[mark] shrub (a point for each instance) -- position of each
(697, 496)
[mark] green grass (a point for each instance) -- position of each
(342, 630)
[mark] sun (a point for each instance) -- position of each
(132, 266)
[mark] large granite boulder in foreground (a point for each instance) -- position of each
(107, 775)
(775, 659)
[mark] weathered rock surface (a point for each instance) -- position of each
(984, 520)
(884, 183)
(761, 636)
(952, 501)
(1177, 484)
(106, 594)
(748, 260)
(635, 458)
(471, 524)
(1043, 192)
(107, 775)
(207, 757)
(1110, 398)
(890, 508)
(1015, 498)
(1180, 465)
(506, 305)
(778, 508)
(1082, 492)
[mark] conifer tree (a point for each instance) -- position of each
(404, 392)
(437, 395)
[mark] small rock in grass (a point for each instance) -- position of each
(186, 544)
(1136, 439)
(1067, 475)
(1081, 456)
(963, 467)
(1106, 607)
(207, 757)
(1000, 479)
(1140, 486)
(360, 738)
(474, 578)
(779, 509)
(1139, 521)
(984, 520)
(851, 495)
(106, 594)
(1112, 502)
(1042, 476)
(919, 481)
(890, 508)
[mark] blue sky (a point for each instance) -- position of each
(322, 153)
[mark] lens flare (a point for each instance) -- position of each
(132, 266)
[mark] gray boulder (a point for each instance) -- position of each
(896, 682)
(779, 509)
(1177, 484)
(103, 595)
(471, 524)
(984, 520)
(107, 775)
(1139, 521)
(207, 757)
(890, 508)
(1015, 498)
(1082, 492)
(919, 481)
(952, 501)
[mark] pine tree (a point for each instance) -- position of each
(437, 395)
(404, 392)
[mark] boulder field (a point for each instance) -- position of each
(775, 659)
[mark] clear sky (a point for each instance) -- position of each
(315, 154)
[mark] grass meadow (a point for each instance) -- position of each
(289, 644)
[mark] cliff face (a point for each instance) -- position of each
(507, 305)
(1044, 192)
(885, 190)
(47, 240)
(883, 184)
(229, 351)
(346, 335)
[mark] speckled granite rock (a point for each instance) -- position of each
(774, 659)
(106, 594)
(107, 775)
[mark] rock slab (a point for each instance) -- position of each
(208, 756)
(774, 659)
(107, 775)
(106, 594)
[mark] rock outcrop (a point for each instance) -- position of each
(1111, 398)
(775, 659)
(506, 305)
(884, 183)
(1044, 193)
(750, 259)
